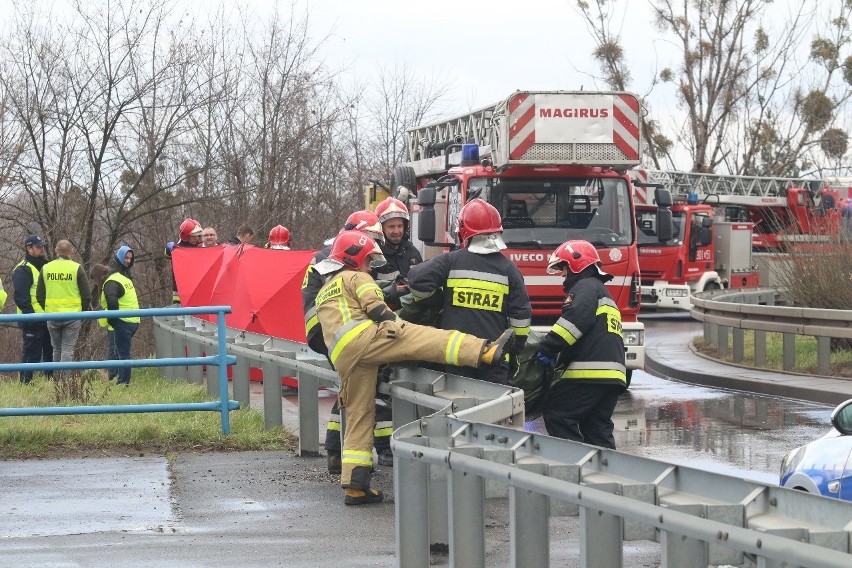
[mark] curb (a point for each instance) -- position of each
(820, 395)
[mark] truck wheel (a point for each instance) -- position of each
(403, 176)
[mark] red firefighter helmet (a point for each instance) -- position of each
(577, 255)
(367, 222)
(189, 227)
(392, 208)
(478, 217)
(279, 235)
(354, 249)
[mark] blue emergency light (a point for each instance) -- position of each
(692, 199)
(470, 154)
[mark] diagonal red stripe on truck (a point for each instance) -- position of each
(520, 148)
(628, 148)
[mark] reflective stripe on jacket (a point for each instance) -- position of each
(36, 306)
(484, 294)
(587, 336)
(127, 301)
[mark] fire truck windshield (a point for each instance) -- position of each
(545, 212)
(646, 221)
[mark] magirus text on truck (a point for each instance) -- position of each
(555, 164)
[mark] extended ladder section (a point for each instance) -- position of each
(535, 129)
(682, 183)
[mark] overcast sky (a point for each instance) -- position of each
(483, 50)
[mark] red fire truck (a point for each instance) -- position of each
(555, 164)
(703, 253)
(785, 211)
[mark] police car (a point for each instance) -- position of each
(824, 466)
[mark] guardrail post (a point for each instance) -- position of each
(308, 414)
(739, 344)
(272, 407)
(404, 412)
(710, 334)
(722, 341)
(176, 351)
(823, 355)
(412, 526)
(759, 348)
(529, 529)
(162, 337)
(467, 515)
(240, 382)
(601, 535)
(194, 372)
(789, 351)
(681, 551)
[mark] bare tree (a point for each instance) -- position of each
(751, 106)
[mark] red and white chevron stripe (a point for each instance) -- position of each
(625, 130)
(522, 124)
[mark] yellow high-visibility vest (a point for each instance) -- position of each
(128, 301)
(36, 306)
(61, 289)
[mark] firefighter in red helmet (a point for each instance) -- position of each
(586, 343)
(279, 238)
(189, 235)
(484, 292)
(367, 223)
(362, 333)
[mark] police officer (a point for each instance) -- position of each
(361, 333)
(399, 252)
(368, 223)
(484, 292)
(587, 342)
(36, 340)
(63, 287)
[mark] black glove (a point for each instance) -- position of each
(393, 291)
(112, 322)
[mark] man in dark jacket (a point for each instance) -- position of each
(36, 344)
(586, 342)
(399, 252)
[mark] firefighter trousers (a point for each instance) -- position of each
(358, 364)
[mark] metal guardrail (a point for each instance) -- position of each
(731, 312)
(458, 441)
(220, 360)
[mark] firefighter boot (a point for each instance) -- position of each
(493, 351)
(358, 491)
(335, 466)
(361, 497)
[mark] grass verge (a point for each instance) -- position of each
(123, 434)
(806, 354)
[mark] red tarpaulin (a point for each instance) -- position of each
(262, 286)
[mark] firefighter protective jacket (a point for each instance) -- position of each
(400, 258)
(346, 306)
(588, 335)
(484, 294)
(311, 285)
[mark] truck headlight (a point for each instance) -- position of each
(633, 337)
(676, 293)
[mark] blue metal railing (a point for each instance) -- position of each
(221, 360)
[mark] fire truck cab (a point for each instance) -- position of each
(703, 253)
(555, 165)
